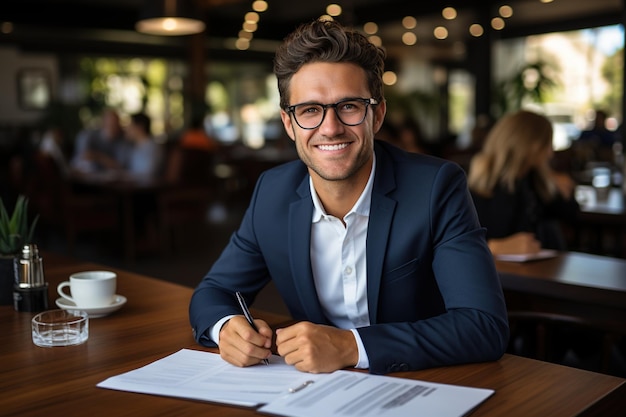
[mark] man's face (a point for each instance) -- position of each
(111, 125)
(333, 151)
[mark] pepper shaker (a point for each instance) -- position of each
(30, 291)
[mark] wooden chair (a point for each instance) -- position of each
(542, 332)
(52, 197)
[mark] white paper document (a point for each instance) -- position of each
(346, 393)
(206, 376)
(281, 389)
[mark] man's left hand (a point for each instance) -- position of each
(316, 348)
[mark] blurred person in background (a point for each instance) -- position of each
(103, 148)
(595, 144)
(404, 133)
(519, 198)
(145, 163)
(53, 144)
(196, 137)
(145, 159)
(192, 157)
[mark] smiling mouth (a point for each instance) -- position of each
(336, 147)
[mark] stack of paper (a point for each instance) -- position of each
(280, 389)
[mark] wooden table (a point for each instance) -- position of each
(582, 284)
(61, 381)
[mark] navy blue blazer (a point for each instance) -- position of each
(433, 293)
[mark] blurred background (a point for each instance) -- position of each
(453, 68)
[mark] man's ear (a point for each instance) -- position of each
(284, 116)
(379, 115)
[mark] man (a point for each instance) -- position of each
(101, 149)
(595, 144)
(145, 160)
(378, 253)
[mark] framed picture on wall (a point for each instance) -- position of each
(34, 88)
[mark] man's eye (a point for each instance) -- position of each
(309, 110)
(349, 107)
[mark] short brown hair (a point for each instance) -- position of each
(143, 121)
(327, 41)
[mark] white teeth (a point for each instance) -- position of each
(333, 147)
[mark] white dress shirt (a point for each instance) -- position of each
(340, 266)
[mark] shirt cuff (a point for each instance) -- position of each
(364, 362)
(214, 331)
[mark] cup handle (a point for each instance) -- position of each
(62, 293)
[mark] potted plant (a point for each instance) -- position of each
(15, 232)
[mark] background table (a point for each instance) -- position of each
(583, 284)
(61, 381)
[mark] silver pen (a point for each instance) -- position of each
(248, 316)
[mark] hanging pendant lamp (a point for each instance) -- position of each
(169, 18)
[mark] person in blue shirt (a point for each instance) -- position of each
(103, 148)
(145, 160)
(377, 252)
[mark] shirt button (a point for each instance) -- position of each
(348, 270)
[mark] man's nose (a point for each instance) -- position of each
(331, 124)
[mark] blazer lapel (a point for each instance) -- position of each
(300, 215)
(381, 215)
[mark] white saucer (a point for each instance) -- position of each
(93, 312)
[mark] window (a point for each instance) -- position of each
(566, 75)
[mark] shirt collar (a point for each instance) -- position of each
(362, 206)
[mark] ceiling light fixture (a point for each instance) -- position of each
(497, 23)
(476, 30)
(333, 10)
(449, 13)
(370, 28)
(259, 6)
(409, 22)
(169, 18)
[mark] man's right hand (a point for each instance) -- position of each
(241, 345)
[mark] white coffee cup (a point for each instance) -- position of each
(90, 288)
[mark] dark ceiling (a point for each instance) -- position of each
(93, 25)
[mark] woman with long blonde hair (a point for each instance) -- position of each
(519, 198)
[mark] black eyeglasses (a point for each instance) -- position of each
(349, 111)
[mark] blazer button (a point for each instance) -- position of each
(393, 368)
(404, 367)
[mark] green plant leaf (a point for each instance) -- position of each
(15, 231)
(31, 232)
(4, 221)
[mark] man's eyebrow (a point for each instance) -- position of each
(334, 102)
